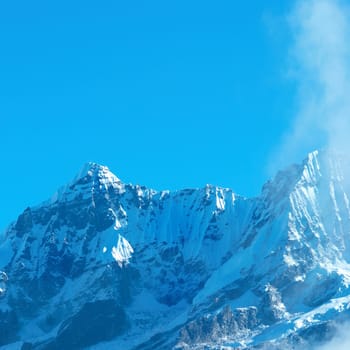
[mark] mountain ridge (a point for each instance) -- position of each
(187, 269)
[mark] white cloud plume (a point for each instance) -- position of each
(320, 64)
(341, 340)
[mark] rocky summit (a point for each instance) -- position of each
(109, 265)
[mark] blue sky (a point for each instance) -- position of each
(168, 94)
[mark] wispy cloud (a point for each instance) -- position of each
(320, 64)
(341, 340)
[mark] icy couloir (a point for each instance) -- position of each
(104, 264)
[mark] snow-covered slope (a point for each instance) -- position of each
(108, 265)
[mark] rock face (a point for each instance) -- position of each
(104, 264)
(96, 321)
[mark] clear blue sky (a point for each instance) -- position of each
(168, 94)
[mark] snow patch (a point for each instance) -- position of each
(3, 281)
(122, 252)
(121, 219)
(289, 260)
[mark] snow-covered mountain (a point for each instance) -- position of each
(109, 265)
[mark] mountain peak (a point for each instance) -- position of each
(95, 171)
(92, 166)
(91, 176)
(192, 267)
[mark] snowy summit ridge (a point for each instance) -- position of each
(96, 171)
(191, 269)
(91, 177)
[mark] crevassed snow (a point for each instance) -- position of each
(122, 252)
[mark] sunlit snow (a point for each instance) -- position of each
(3, 280)
(122, 252)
